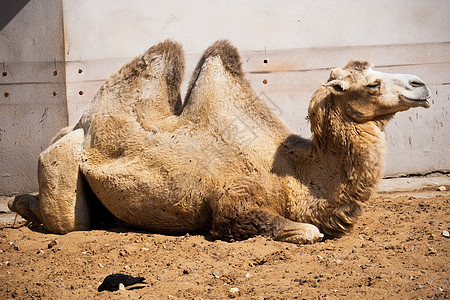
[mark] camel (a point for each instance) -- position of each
(220, 161)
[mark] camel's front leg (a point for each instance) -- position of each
(62, 199)
(238, 223)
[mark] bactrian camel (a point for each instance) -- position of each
(220, 161)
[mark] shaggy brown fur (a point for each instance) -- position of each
(223, 161)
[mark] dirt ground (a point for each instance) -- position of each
(398, 249)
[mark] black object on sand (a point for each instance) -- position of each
(111, 282)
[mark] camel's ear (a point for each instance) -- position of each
(338, 86)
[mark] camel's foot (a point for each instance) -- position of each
(27, 206)
(299, 233)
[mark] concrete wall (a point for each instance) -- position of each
(299, 40)
(32, 88)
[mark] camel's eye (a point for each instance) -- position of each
(374, 85)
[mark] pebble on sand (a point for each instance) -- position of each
(52, 244)
(446, 233)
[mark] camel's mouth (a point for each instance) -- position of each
(423, 102)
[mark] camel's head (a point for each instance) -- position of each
(363, 94)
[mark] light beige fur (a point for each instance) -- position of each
(222, 162)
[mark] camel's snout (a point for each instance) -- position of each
(421, 90)
(415, 92)
(414, 83)
(417, 85)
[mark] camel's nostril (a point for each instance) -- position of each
(416, 83)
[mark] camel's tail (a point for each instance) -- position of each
(27, 206)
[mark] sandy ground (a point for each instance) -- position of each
(398, 250)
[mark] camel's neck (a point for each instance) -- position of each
(355, 154)
(341, 172)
